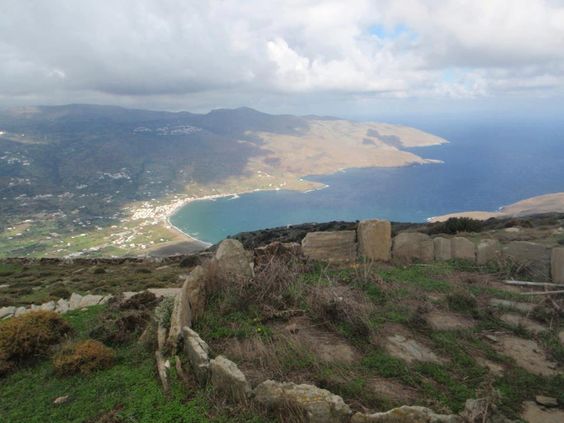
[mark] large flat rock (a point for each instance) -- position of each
(534, 258)
(413, 246)
(330, 246)
(410, 350)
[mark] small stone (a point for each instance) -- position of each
(407, 414)
(492, 338)
(61, 400)
(62, 306)
(546, 401)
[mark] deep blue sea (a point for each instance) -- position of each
(487, 164)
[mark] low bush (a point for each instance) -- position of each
(83, 357)
(30, 335)
(120, 328)
(455, 225)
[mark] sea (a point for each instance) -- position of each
(488, 163)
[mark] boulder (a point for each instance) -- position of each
(487, 250)
(535, 258)
(413, 246)
(336, 246)
(181, 316)
(442, 247)
(233, 260)
(195, 290)
(318, 405)
(74, 301)
(49, 306)
(407, 414)
(463, 249)
(197, 352)
(557, 265)
(62, 306)
(6, 312)
(229, 380)
(375, 239)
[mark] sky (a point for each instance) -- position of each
(348, 58)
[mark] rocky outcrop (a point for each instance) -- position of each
(535, 258)
(194, 289)
(413, 246)
(233, 261)
(197, 352)
(443, 251)
(338, 246)
(487, 250)
(90, 300)
(557, 265)
(74, 301)
(463, 249)
(407, 414)
(318, 405)
(375, 239)
(229, 380)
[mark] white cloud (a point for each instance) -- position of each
(220, 51)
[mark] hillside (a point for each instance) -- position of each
(272, 334)
(101, 180)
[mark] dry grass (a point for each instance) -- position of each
(83, 357)
(341, 304)
(29, 336)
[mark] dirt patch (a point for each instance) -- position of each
(523, 307)
(495, 368)
(516, 320)
(326, 345)
(527, 354)
(534, 413)
(441, 320)
(392, 390)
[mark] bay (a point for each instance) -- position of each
(487, 164)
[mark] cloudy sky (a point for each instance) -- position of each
(300, 56)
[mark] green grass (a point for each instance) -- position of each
(131, 387)
(424, 277)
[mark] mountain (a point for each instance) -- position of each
(79, 166)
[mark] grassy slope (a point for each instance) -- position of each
(131, 388)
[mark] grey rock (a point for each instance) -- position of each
(443, 250)
(89, 300)
(524, 307)
(229, 380)
(233, 260)
(105, 299)
(74, 301)
(6, 312)
(410, 350)
(375, 239)
(535, 258)
(557, 265)
(487, 250)
(61, 400)
(413, 246)
(318, 405)
(21, 311)
(407, 414)
(463, 249)
(194, 288)
(62, 306)
(330, 246)
(546, 401)
(197, 352)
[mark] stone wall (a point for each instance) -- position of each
(373, 241)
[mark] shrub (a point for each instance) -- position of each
(163, 312)
(30, 335)
(455, 225)
(83, 357)
(120, 327)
